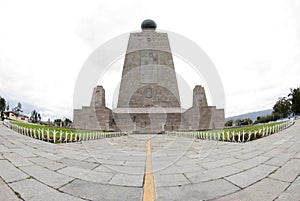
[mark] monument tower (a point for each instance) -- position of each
(149, 99)
(148, 83)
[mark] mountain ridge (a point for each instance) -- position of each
(252, 115)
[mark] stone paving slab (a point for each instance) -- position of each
(250, 163)
(187, 168)
(112, 162)
(105, 168)
(49, 155)
(248, 155)
(120, 179)
(17, 160)
(33, 190)
(3, 148)
(86, 174)
(163, 180)
(47, 176)
(173, 169)
(288, 172)
(207, 175)
(297, 155)
(280, 159)
(22, 153)
(220, 163)
(135, 162)
(292, 193)
(121, 169)
(77, 163)
(183, 168)
(10, 173)
(196, 192)
(74, 155)
(44, 162)
(96, 191)
(251, 176)
(6, 193)
(265, 190)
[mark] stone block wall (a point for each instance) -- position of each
(96, 116)
(201, 116)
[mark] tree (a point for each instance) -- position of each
(243, 122)
(7, 106)
(238, 122)
(35, 117)
(282, 107)
(247, 121)
(2, 104)
(268, 118)
(229, 123)
(18, 108)
(57, 122)
(67, 122)
(63, 123)
(295, 99)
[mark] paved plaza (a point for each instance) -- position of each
(182, 168)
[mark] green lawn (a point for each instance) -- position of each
(36, 126)
(60, 133)
(250, 132)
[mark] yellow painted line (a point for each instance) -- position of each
(149, 191)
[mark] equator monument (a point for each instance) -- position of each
(149, 100)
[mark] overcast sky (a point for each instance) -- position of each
(253, 44)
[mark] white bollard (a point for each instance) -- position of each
(54, 135)
(249, 137)
(66, 134)
(233, 140)
(48, 133)
(39, 133)
(71, 135)
(42, 133)
(243, 137)
(76, 136)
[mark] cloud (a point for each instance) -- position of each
(254, 45)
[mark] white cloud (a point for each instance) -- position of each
(254, 45)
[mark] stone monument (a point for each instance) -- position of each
(96, 116)
(149, 99)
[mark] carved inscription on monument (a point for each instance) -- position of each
(148, 66)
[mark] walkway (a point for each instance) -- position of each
(182, 168)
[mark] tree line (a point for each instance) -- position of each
(283, 108)
(35, 116)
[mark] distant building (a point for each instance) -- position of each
(15, 116)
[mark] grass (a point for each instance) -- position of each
(233, 132)
(36, 126)
(252, 128)
(246, 129)
(58, 130)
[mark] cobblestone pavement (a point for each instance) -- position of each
(183, 168)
